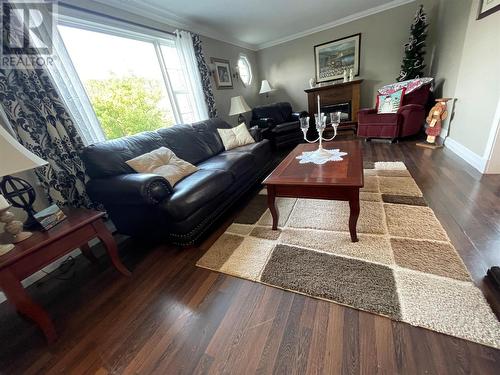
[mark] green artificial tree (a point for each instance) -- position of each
(413, 61)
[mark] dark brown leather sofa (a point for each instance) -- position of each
(146, 204)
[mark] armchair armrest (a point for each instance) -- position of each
(256, 133)
(295, 116)
(410, 107)
(263, 122)
(129, 189)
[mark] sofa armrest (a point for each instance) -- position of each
(295, 116)
(129, 189)
(264, 122)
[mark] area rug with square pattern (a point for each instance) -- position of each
(404, 266)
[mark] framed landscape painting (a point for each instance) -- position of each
(222, 74)
(487, 7)
(332, 58)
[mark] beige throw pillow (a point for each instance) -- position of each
(163, 162)
(235, 137)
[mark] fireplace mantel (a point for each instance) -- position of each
(336, 94)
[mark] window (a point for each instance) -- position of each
(135, 82)
(245, 70)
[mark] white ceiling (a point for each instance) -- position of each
(254, 24)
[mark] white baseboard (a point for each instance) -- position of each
(469, 156)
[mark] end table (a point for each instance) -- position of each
(41, 249)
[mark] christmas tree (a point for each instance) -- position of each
(413, 62)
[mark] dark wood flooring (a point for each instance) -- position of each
(171, 317)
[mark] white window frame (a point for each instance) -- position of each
(245, 61)
(137, 33)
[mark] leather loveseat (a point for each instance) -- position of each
(281, 123)
(145, 204)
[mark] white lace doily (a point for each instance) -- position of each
(321, 156)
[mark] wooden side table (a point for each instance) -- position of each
(43, 248)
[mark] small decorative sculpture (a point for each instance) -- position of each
(351, 74)
(13, 227)
(434, 120)
(312, 83)
(345, 75)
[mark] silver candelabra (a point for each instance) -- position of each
(321, 125)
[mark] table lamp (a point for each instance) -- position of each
(15, 191)
(238, 107)
(265, 88)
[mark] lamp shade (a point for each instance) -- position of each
(238, 105)
(15, 158)
(265, 87)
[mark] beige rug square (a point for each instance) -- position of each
(390, 165)
(334, 216)
(399, 186)
(284, 206)
(455, 308)
(413, 222)
(371, 184)
(370, 247)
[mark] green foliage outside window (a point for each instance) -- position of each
(128, 105)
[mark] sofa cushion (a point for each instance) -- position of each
(107, 159)
(260, 150)
(237, 163)
(195, 191)
(278, 112)
(163, 162)
(195, 142)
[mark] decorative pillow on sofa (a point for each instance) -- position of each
(235, 137)
(410, 86)
(163, 162)
(390, 103)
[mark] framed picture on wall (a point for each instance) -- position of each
(222, 73)
(332, 58)
(487, 7)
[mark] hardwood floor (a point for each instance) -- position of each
(171, 317)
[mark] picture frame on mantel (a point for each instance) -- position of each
(222, 73)
(487, 7)
(332, 58)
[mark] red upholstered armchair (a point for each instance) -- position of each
(407, 121)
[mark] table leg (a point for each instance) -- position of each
(109, 243)
(271, 202)
(354, 214)
(87, 253)
(17, 295)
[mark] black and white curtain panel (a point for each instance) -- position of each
(43, 125)
(205, 76)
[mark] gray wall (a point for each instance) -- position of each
(289, 66)
(215, 48)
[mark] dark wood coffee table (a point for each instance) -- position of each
(41, 249)
(335, 180)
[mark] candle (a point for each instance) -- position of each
(3, 203)
(319, 110)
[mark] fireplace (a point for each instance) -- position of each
(343, 108)
(343, 97)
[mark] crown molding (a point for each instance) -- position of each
(168, 18)
(342, 21)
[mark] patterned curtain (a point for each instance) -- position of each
(205, 76)
(43, 125)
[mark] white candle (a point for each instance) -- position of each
(3, 203)
(319, 110)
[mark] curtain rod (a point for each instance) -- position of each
(96, 13)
